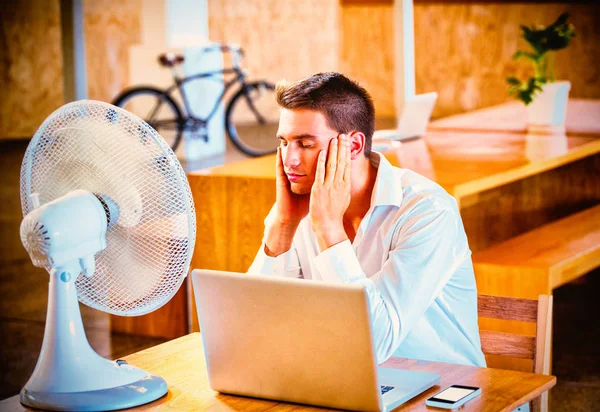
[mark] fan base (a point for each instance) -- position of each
(137, 393)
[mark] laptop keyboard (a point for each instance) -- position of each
(386, 389)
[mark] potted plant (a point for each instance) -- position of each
(545, 98)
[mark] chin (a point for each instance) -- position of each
(299, 189)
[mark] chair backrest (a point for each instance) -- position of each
(519, 346)
(537, 348)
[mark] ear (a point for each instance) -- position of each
(357, 144)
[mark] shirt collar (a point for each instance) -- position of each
(388, 188)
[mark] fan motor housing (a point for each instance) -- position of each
(65, 230)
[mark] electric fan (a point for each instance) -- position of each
(108, 212)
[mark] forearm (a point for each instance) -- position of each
(279, 238)
(331, 235)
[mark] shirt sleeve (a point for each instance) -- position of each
(426, 250)
(287, 264)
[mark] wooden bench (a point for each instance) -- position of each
(535, 263)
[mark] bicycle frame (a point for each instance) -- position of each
(179, 82)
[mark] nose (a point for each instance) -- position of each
(291, 158)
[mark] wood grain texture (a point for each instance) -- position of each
(111, 28)
(564, 249)
(170, 321)
(507, 344)
(182, 364)
(497, 340)
(31, 58)
(464, 50)
(31, 83)
(514, 348)
(543, 334)
(495, 215)
(507, 308)
(366, 52)
(282, 39)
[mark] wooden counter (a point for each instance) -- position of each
(505, 183)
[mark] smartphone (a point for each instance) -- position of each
(453, 396)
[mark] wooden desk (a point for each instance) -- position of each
(181, 363)
(505, 184)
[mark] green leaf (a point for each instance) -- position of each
(562, 19)
(542, 40)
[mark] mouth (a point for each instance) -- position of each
(292, 177)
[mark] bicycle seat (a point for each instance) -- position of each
(170, 59)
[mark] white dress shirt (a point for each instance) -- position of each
(411, 254)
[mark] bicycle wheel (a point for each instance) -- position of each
(157, 109)
(252, 119)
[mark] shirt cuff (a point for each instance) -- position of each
(276, 266)
(339, 264)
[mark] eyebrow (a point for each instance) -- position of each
(298, 137)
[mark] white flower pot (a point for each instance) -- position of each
(545, 146)
(546, 113)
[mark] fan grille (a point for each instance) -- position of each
(101, 148)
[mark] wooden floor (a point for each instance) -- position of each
(23, 298)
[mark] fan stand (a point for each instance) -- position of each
(69, 374)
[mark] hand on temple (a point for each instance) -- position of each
(330, 195)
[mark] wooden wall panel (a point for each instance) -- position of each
(31, 58)
(463, 51)
(31, 84)
(366, 52)
(111, 27)
(282, 38)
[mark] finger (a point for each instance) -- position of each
(347, 170)
(341, 163)
(278, 161)
(331, 160)
(279, 164)
(320, 173)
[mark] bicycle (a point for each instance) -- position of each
(251, 116)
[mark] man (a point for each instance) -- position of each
(345, 214)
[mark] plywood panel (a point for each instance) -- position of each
(282, 38)
(31, 84)
(31, 58)
(366, 53)
(111, 27)
(463, 51)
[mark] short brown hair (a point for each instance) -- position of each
(345, 104)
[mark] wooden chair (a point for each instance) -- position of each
(536, 348)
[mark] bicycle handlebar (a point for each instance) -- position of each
(233, 48)
(237, 51)
(172, 60)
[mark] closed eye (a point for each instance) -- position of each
(302, 141)
(305, 145)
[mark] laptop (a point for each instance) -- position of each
(412, 121)
(296, 340)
